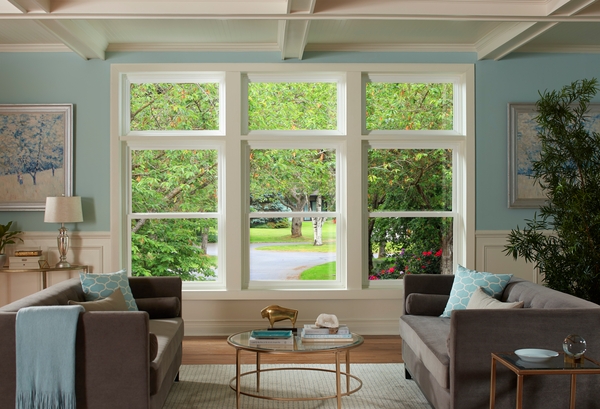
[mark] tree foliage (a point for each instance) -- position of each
(567, 170)
(409, 106)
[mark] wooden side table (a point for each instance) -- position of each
(43, 271)
(553, 366)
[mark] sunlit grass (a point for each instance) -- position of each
(321, 272)
(265, 235)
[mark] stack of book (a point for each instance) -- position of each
(313, 333)
(271, 339)
(26, 259)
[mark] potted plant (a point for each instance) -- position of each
(563, 239)
(7, 237)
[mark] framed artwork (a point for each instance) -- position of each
(36, 158)
(524, 147)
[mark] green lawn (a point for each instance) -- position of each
(322, 272)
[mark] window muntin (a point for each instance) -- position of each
(393, 106)
(174, 106)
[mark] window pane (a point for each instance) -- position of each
(292, 180)
(174, 181)
(400, 246)
(167, 107)
(174, 247)
(292, 106)
(409, 106)
(276, 254)
(410, 179)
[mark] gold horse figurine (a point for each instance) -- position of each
(276, 313)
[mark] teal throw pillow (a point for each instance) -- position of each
(99, 286)
(467, 281)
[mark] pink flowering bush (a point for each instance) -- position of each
(393, 268)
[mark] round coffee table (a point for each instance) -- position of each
(240, 342)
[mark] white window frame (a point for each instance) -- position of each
(351, 137)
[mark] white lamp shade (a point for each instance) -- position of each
(63, 209)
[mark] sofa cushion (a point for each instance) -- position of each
(160, 307)
(169, 334)
(481, 301)
(114, 302)
(427, 337)
(98, 286)
(467, 281)
(426, 304)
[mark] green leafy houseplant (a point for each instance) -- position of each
(563, 239)
(8, 237)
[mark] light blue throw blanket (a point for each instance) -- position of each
(45, 338)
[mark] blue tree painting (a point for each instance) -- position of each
(32, 154)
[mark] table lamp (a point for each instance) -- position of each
(64, 209)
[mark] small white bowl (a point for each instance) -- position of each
(535, 355)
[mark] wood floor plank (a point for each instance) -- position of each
(215, 350)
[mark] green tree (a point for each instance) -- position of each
(563, 239)
(411, 180)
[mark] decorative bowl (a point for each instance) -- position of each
(535, 355)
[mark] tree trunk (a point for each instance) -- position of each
(205, 240)
(318, 224)
(296, 227)
(447, 252)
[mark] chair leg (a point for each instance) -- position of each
(407, 374)
(177, 377)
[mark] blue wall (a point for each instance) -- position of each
(66, 78)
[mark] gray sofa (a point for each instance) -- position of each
(120, 364)
(450, 358)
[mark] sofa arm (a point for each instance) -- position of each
(113, 360)
(475, 334)
(438, 284)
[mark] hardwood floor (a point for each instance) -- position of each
(215, 350)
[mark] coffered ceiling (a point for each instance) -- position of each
(492, 29)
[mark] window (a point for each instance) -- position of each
(265, 176)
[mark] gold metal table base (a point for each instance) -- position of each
(240, 343)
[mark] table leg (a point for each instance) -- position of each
(44, 279)
(258, 372)
(238, 370)
(573, 388)
(338, 383)
(347, 370)
(519, 391)
(493, 385)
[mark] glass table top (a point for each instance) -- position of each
(241, 340)
(556, 363)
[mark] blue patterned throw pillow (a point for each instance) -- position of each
(99, 286)
(467, 281)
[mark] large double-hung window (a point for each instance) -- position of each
(289, 176)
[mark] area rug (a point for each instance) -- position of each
(207, 387)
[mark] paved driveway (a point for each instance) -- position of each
(280, 265)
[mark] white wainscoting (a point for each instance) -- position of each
(91, 249)
(369, 315)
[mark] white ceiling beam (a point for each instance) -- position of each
(79, 36)
(293, 34)
(569, 7)
(507, 38)
(44, 5)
